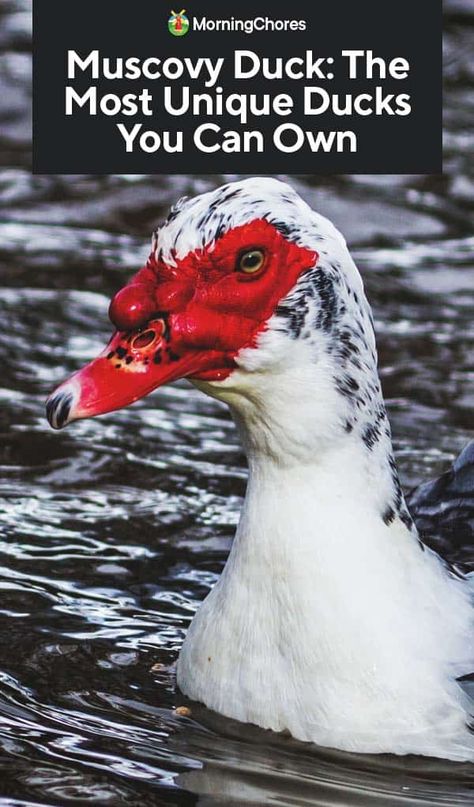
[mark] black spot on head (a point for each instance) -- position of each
(231, 194)
(389, 516)
(121, 352)
(129, 360)
(328, 305)
(295, 316)
(286, 230)
(176, 209)
(347, 386)
(344, 345)
(396, 483)
(346, 338)
(371, 435)
(157, 356)
(211, 213)
(111, 354)
(221, 229)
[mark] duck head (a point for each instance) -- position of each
(251, 295)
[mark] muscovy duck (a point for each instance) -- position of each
(331, 619)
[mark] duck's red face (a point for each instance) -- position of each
(189, 319)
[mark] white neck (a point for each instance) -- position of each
(294, 420)
(326, 620)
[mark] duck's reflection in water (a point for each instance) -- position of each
(242, 765)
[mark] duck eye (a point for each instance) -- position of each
(251, 261)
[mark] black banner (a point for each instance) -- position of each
(140, 87)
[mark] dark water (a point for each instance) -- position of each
(113, 531)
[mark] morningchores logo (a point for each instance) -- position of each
(178, 23)
(254, 25)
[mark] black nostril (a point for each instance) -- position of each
(143, 340)
(156, 329)
(58, 409)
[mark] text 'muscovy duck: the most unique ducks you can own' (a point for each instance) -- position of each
(331, 620)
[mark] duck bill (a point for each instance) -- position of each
(131, 366)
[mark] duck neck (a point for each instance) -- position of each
(343, 501)
(314, 427)
(317, 459)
